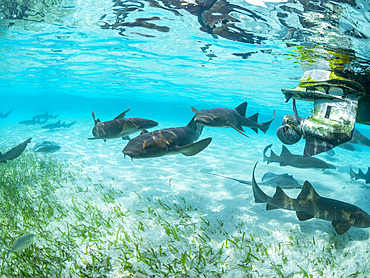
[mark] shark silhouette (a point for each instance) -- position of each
(234, 118)
(298, 161)
(167, 141)
(120, 127)
(310, 205)
(58, 124)
(5, 115)
(361, 175)
(14, 152)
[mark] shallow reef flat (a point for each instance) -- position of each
(96, 214)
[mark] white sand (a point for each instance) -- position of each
(212, 206)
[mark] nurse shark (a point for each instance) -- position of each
(310, 205)
(298, 161)
(167, 141)
(234, 118)
(119, 127)
(5, 115)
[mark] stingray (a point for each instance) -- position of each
(46, 147)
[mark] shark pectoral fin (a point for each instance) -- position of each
(315, 146)
(194, 148)
(128, 125)
(240, 130)
(122, 115)
(341, 227)
(270, 207)
(303, 216)
(93, 138)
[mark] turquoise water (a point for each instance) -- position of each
(159, 59)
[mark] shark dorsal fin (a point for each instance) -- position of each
(280, 194)
(241, 109)
(308, 192)
(143, 131)
(360, 173)
(285, 152)
(122, 115)
(254, 117)
(195, 110)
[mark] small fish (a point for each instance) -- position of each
(21, 244)
(298, 161)
(361, 175)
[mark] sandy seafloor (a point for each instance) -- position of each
(227, 205)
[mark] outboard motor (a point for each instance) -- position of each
(334, 115)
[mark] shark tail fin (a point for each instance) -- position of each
(241, 109)
(259, 195)
(265, 126)
(194, 148)
(265, 157)
(70, 124)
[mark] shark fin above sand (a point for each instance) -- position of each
(194, 148)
